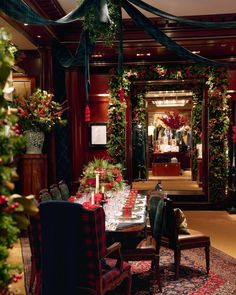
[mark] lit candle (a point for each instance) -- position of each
(97, 183)
(92, 197)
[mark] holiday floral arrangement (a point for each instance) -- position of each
(174, 120)
(38, 112)
(110, 176)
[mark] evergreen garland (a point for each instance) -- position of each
(10, 144)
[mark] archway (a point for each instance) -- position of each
(215, 107)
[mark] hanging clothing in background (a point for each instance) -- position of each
(139, 152)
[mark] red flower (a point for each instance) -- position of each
(119, 178)
(174, 120)
(109, 186)
(91, 182)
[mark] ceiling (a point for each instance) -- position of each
(139, 47)
(176, 7)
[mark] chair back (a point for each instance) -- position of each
(65, 192)
(44, 195)
(73, 240)
(169, 224)
(55, 192)
(156, 213)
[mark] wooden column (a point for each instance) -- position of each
(33, 172)
(78, 129)
(46, 83)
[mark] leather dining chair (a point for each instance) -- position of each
(64, 189)
(74, 254)
(55, 192)
(176, 241)
(44, 195)
(149, 247)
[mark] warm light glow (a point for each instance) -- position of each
(150, 130)
(170, 102)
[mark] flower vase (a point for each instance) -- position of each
(34, 141)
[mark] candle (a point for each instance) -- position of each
(92, 198)
(97, 183)
(102, 189)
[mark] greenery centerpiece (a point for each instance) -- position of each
(110, 176)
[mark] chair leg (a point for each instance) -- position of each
(207, 253)
(32, 274)
(177, 256)
(156, 262)
(127, 285)
(37, 290)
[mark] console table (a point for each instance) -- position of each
(165, 169)
(33, 173)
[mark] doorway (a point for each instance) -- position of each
(169, 152)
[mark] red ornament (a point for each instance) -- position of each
(122, 94)
(87, 113)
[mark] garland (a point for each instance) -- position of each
(217, 81)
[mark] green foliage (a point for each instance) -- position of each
(139, 114)
(119, 88)
(10, 144)
(99, 30)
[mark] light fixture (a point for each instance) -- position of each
(170, 102)
(150, 130)
(174, 98)
(196, 51)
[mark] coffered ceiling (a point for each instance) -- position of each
(139, 47)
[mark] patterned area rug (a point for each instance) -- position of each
(193, 279)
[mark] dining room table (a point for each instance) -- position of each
(125, 213)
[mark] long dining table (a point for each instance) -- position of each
(124, 222)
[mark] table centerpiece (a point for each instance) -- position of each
(101, 175)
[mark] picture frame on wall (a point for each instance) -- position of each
(98, 134)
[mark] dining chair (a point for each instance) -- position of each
(65, 192)
(172, 239)
(149, 247)
(55, 192)
(44, 195)
(34, 234)
(74, 253)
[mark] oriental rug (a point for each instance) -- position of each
(193, 279)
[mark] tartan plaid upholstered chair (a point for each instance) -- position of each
(74, 253)
(34, 233)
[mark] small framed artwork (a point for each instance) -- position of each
(98, 134)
